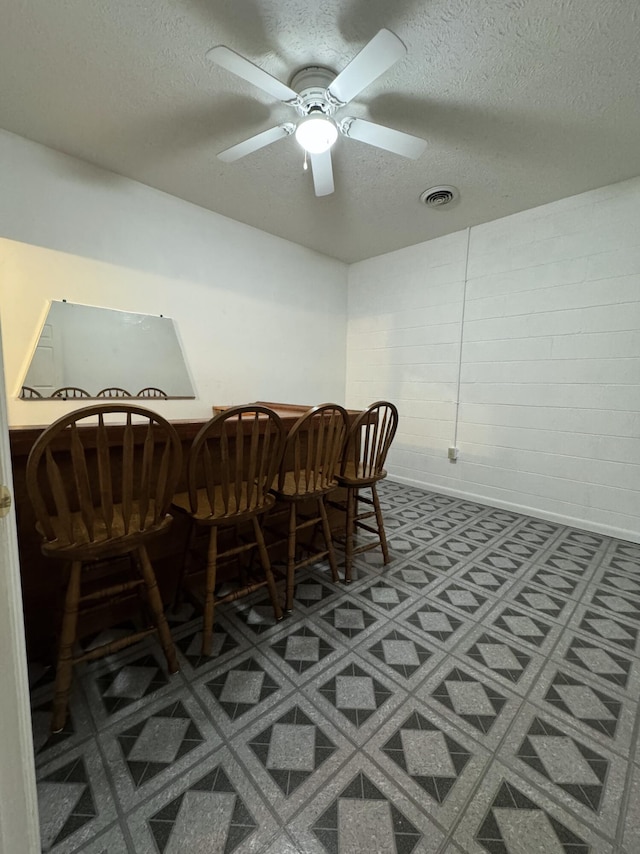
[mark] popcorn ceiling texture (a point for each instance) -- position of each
(522, 103)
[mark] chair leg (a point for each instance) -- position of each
(178, 596)
(64, 667)
(379, 520)
(291, 558)
(210, 584)
(155, 604)
(328, 540)
(266, 567)
(349, 527)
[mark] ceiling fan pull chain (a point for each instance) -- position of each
(305, 165)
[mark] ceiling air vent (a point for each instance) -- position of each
(438, 197)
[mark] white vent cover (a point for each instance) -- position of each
(438, 197)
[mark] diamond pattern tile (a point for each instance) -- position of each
(477, 694)
(586, 704)
(355, 694)
(436, 623)
(513, 820)
(183, 822)
(66, 802)
(349, 619)
(360, 805)
(292, 749)
(129, 683)
(488, 580)
(155, 743)
(596, 660)
(242, 687)
(545, 603)
(502, 658)
(561, 585)
(522, 626)
(605, 627)
(568, 763)
(401, 653)
(463, 598)
(384, 595)
(302, 648)
(428, 755)
(466, 696)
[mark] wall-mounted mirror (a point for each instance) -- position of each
(89, 352)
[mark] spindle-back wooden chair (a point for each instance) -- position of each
(96, 498)
(361, 468)
(151, 391)
(308, 473)
(232, 463)
(113, 391)
(28, 393)
(70, 392)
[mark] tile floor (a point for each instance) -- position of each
(479, 694)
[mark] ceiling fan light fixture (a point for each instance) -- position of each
(316, 134)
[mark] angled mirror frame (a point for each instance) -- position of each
(86, 351)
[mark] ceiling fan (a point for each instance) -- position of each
(317, 94)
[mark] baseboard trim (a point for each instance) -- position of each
(535, 512)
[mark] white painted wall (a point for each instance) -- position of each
(258, 317)
(549, 399)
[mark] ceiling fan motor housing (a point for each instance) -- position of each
(312, 84)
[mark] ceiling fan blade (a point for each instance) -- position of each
(384, 49)
(322, 173)
(382, 137)
(241, 67)
(254, 143)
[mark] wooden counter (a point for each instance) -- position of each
(42, 577)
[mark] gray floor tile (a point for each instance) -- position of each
(212, 808)
(631, 821)
(602, 714)
(401, 654)
(507, 815)
(74, 799)
(586, 778)
(435, 762)
(291, 752)
(501, 657)
(146, 750)
(483, 684)
(236, 693)
(479, 706)
(362, 811)
(355, 696)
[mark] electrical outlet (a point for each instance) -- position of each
(452, 454)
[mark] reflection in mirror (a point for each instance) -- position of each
(84, 351)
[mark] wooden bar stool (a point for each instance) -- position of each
(308, 473)
(361, 468)
(94, 500)
(233, 462)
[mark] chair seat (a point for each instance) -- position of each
(234, 512)
(293, 490)
(103, 544)
(355, 476)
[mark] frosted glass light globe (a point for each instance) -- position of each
(316, 134)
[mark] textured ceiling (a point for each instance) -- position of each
(521, 101)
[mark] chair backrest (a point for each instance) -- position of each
(151, 391)
(27, 392)
(234, 460)
(103, 478)
(313, 449)
(113, 391)
(70, 391)
(369, 440)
